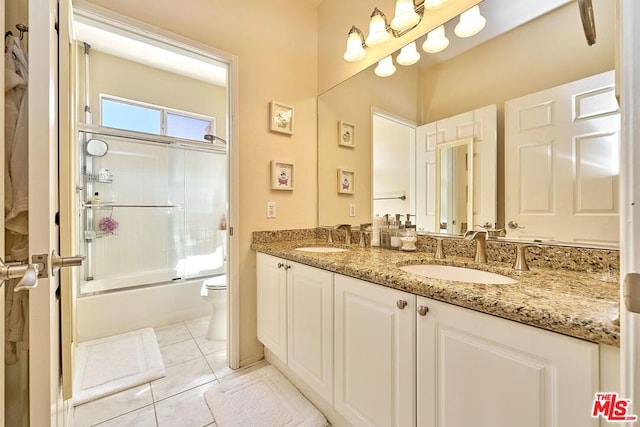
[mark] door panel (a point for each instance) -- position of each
(562, 162)
(426, 140)
(43, 200)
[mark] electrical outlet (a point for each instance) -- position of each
(271, 209)
(352, 209)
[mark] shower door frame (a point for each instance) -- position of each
(165, 39)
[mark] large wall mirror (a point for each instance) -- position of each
(525, 48)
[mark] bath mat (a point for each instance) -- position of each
(109, 365)
(261, 398)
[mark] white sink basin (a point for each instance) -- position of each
(458, 274)
(321, 249)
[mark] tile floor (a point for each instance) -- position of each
(192, 365)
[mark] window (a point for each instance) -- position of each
(135, 116)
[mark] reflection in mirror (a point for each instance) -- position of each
(454, 186)
(526, 47)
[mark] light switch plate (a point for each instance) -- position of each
(352, 209)
(271, 209)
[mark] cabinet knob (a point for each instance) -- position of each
(280, 265)
(286, 267)
(423, 310)
(401, 304)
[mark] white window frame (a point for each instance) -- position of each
(163, 112)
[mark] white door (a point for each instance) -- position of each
(562, 163)
(45, 406)
(310, 326)
(426, 140)
(374, 354)
(629, 37)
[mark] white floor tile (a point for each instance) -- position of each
(173, 354)
(112, 406)
(182, 377)
(217, 361)
(145, 417)
(188, 409)
(198, 327)
(172, 334)
(210, 346)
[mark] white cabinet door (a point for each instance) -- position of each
(479, 370)
(310, 326)
(562, 162)
(272, 304)
(374, 354)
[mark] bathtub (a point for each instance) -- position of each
(125, 310)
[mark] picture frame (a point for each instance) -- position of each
(346, 134)
(282, 177)
(280, 117)
(346, 181)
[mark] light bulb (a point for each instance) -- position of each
(385, 67)
(471, 22)
(378, 33)
(436, 41)
(408, 55)
(405, 17)
(355, 52)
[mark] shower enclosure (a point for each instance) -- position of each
(152, 210)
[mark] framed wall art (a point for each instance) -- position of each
(280, 117)
(346, 181)
(281, 176)
(346, 134)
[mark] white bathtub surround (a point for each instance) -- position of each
(264, 395)
(139, 308)
(109, 365)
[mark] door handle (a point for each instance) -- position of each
(631, 292)
(27, 273)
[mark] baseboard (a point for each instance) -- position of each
(251, 360)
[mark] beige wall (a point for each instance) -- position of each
(276, 43)
(352, 102)
(547, 52)
(335, 18)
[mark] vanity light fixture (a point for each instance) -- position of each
(378, 29)
(408, 55)
(406, 16)
(436, 41)
(355, 46)
(385, 67)
(471, 22)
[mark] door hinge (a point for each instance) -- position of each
(230, 231)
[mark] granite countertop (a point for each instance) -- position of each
(581, 305)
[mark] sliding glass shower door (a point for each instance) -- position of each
(153, 210)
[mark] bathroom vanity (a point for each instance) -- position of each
(382, 346)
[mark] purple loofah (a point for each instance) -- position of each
(108, 224)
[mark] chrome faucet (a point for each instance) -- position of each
(347, 227)
(520, 263)
(480, 237)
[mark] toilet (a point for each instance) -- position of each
(214, 292)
